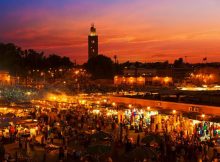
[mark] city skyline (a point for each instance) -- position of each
(141, 30)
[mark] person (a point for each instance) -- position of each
(31, 143)
(66, 141)
(20, 143)
(6, 156)
(45, 155)
(215, 155)
(173, 152)
(2, 152)
(65, 153)
(42, 140)
(73, 154)
(61, 154)
(138, 139)
(205, 158)
(52, 137)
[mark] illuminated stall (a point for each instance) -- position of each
(139, 117)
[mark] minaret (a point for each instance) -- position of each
(92, 43)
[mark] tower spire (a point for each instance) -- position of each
(93, 30)
(92, 42)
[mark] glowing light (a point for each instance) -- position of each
(111, 112)
(77, 72)
(96, 111)
(114, 104)
(28, 93)
(203, 88)
(166, 79)
(105, 100)
(131, 80)
(82, 102)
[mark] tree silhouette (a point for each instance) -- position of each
(101, 67)
(178, 63)
(20, 62)
(10, 57)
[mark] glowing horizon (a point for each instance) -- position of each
(141, 30)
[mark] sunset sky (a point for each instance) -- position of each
(134, 30)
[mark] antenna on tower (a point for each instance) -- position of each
(115, 57)
(186, 59)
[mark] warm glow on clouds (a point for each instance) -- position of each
(142, 30)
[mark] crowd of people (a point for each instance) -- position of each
(79, 134)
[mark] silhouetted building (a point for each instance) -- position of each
(92, 43)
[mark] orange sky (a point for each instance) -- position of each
(140, 30)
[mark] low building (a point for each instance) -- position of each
(142, 81)
(164, 81)
(140, 71)
(177, 74)
(5, 78)
(204, 76)
(122, 80)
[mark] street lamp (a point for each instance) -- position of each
(130, 105)
(174, 111)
